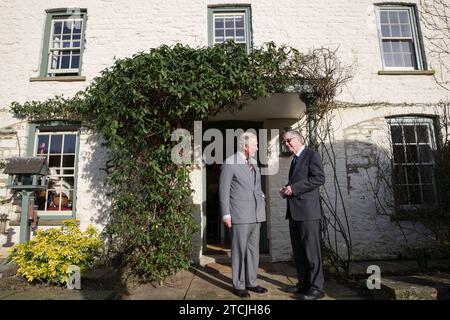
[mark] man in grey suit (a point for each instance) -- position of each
(306, 175)
(242, 206)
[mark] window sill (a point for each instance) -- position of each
(62, 78)
(407, 72)
(44, 222)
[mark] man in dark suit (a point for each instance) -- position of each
(242, 205)
(306, 175)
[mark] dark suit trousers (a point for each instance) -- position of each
(305, 240)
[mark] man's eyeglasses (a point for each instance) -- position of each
(288, 140)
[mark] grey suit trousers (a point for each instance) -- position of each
(244, 254)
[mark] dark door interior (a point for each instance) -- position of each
(217, 237)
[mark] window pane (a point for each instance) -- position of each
(403, 15)
(240, 33)
(396, 134)
(388, 60)
(411, 153)
(75, 62)
(68, 161)
(428, 194)
(408, 60)
(70, 181)
(412, 174)
(56, 143)
(229, 23)
(219, 23)
(387, 47)
(405, 30)
(229, 33)
(415, 196)
(396, 47)
(422, 133)
(395, 31)
(426, 174)
(393, 17)
(398, 61)
(219, 32)
(401, 194)
(385, 31)
(69, 143)
(67, 27)
(406, 46)
(77, 26)
(410, 136)
(42, 145)
(425, 154)
(399, 175)
(54, 161)
(383, 16)
(57, 28)
(240, 22)
(399, 154)
(65, 61)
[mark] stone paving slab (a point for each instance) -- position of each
(416, 287)
(207, 283)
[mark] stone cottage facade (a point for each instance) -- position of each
(52, 47)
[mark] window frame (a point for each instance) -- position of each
(53, 14)
(416, 121)
(415, 36)
(56, 127)
(222, 10)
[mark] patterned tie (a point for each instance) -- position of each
(252, 169)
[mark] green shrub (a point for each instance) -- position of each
(47, 256)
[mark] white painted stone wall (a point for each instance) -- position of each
(117, 29)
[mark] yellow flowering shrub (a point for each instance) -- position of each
(48, 255)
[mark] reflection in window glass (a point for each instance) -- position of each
(60, 150)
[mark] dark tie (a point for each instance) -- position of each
(291, 169)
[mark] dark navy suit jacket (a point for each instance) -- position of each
(305, 181)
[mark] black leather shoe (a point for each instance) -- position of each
(297, 289)
(241, 293)
(313, 294)
(257, 289)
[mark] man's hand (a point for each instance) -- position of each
(227, 223)
(285, 191)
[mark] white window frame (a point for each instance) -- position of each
(230, 14)
(414, 36)
(51, 71)
(56, 175)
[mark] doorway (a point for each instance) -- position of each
(217, 236)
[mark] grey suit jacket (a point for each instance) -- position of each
(240, 194)
(307, 177)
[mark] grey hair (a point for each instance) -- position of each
(295, 133)
(244, 139)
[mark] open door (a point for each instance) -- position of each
(217, 236)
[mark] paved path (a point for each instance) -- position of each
(213, 282)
